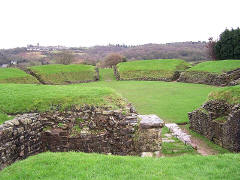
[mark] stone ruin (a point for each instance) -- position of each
(219, 122)
(85, 129)
(229, 78)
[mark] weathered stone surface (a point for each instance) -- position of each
(219, 122)
(150, 121)
(103, 131)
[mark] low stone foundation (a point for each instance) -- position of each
(85, 129)
(224, 79)
(219, 122)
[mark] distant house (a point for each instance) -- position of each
(5, 65)
(13, 62)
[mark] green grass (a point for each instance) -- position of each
(61, 166)
(169, 100)
(14, 75)
(62, 74)
(16, 98)
(228, 94)
(4, 117)
(153, 69)
(106, 74)
(216, 66)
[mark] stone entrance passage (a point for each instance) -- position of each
(149, 135)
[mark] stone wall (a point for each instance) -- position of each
(20, 138)
(224, 79)
(85, 129)
(90, 129)
(219, 122)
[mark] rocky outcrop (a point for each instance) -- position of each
(224, 79)
(219, 122)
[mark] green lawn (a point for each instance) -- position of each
(62, 74)
(153, 69)
(61, 166)
(20, 98)
(218, 67)
(106, 74)
(14, 75)
(169, 100)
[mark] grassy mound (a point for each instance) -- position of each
(162, 69)
(16, 98)
(14, 75)
(94, 166)
(106, 74)
(228, 94)
(217, 67)
(63, 74)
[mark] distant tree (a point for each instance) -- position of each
(64, 57)
(228, 45)
(112, 59)
(210, 48)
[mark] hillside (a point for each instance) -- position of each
(189, 51)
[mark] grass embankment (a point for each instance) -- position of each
(151, 69)
(14, 75)
(95, 166)
(34, 98)
(217, 67)
(228, 94)
(64, 74)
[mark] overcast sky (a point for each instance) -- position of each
(100, 22)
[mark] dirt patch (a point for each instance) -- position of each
(201, 146)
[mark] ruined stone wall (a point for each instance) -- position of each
(86, 129)
(20, 138)
(219, 122)
(90, 129)
(224, 79)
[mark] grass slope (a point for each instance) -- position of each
(62, 74)
(14, 75)
(228, 94)
(17, 98)
(156, 69)
(216, 66)
(59, 166)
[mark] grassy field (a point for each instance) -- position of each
(14, 75)
(63, 74)
(153, 69)
(29, 98)
(216, 66)
(4, 117)
(106, 75)
(169, 100)
(61, 166)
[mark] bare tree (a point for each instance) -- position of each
(210, 45)
(112, 59)
(64, 57)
